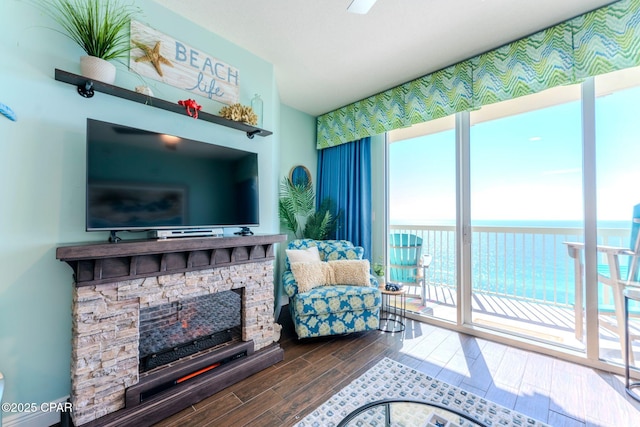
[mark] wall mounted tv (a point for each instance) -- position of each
(143, 180)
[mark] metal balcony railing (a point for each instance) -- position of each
(526, 263)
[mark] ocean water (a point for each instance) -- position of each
(526, 264)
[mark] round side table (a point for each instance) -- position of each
(394, 308)
(629, 294)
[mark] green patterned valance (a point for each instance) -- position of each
(607, 39)
(526, 66)
(440, 94)
(380, 113)
(597, 42)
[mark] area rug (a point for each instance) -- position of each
(389, 379)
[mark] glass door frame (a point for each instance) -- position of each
(464, 230)
(590, 356)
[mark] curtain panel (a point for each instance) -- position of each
(597, 42)
(344, 176)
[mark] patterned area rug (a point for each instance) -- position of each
(389, 379)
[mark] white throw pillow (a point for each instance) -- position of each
(304, 255)
(351, 272)
(310, 275)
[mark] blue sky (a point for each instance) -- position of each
(523, 167)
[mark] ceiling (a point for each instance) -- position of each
(325, 57)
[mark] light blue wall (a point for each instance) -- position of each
(42, 175)
(298, 135)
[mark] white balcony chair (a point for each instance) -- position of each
(613, 274)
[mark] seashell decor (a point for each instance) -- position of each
(239, 113)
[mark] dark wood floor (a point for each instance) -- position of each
(551, 390)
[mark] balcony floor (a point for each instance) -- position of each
(535, 320)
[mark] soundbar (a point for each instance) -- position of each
(188, 232)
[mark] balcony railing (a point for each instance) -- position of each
(526, 263)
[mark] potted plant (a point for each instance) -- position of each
(98, 27)
(379, 271)
(297, 212)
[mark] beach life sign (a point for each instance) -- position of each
(163, 58)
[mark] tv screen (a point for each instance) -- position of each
(143, 180)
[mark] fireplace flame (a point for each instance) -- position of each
(196, 373)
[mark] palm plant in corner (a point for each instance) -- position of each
(99, 27)
(297, 212)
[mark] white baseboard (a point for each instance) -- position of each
(33, 419)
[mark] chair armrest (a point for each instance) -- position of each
(289, 283)
(574, 249)
(614, 250)
(426, 260)
(373, 281)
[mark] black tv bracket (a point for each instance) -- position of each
(245, 231)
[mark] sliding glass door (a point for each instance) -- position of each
(617, 113)
(520, 205)
(422, 210)
(525, 203)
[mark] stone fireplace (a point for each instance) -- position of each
(161, 279)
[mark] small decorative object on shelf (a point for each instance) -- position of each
(256, 104)
(191, 106)
(145, 90)
(239, 113)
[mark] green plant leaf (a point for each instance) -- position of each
(99, 27)
(295, 205)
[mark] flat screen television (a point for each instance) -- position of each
(143, 180)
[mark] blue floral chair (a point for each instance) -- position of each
(332, 309)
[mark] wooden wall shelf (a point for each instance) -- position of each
(86, 87)
(99, 263)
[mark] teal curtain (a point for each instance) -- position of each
(597, 42)
(344, 176)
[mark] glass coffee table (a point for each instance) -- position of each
(407, 413)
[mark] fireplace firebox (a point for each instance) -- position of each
(176, 330)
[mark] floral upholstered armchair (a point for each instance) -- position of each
(330, 288)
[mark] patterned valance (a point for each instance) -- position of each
(526, 66)
(597, 42)
(440, 94)
(607, 39)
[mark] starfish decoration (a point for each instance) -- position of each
(153, 56)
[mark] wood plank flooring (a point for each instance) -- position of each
(550, 390)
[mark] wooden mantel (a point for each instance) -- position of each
(99, 263)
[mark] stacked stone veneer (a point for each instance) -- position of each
(104, 360)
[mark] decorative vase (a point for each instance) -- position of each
(256, 106)
(97, 69)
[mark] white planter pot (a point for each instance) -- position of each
(97, 69)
